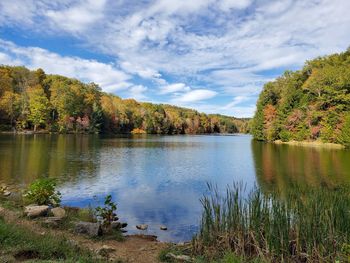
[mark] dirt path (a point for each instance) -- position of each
(133, 249)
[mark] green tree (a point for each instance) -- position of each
(344, 137)
(39, 106)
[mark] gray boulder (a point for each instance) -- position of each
(34, 211)
(118, 225)
(58, 212)
(91, 229)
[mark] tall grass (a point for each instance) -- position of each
(304, 225)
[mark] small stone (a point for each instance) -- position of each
(163, 227)
(52, 221)
(183, 258)
(34, 211)
(124, 225)
(91, 229)
(6, 193)
(58, 212)
(142, 226)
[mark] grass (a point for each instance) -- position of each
(22, 244)
(310, 225)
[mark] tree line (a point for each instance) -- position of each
(307, 105)
(33, 100)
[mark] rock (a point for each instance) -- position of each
(6, 193)
(58, 212)
(105, 250)
(52, 221)
(124, 225)
(142, 226)
(183, 258)
(163, 227)
(91, 229)
(33, 211)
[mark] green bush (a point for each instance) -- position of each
(285, 136)
(43, 192)
(344, 137)
(107, 213)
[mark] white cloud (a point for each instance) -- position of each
(226, 5)
(106, 75)
(138, 92)
(231, 46)
(176, 87)
(78, 17)
(195, 95)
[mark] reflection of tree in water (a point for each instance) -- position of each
(282, 166)
(23, 158)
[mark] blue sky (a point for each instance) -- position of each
(210, 55)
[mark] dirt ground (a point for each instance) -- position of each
(133, 249)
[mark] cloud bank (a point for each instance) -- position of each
(212, 55)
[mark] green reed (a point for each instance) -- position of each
(303, 225)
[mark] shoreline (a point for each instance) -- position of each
(312, 144)
(29, 132)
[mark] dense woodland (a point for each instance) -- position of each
(36, 101)
(309, 104)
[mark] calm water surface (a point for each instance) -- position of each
(159, 179)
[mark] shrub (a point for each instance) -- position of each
(43, 192)
(285, 136)
(107, 213)
(344, 137)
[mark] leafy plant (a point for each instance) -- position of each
(43, 192)
(107, 213)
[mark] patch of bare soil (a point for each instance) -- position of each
(138, 249)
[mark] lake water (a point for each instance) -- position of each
(158, 180)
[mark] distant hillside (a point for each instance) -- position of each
(34, 100)
(310, 104)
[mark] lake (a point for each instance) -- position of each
(159, 180)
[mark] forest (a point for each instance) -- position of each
(311, 104)
(33, 100)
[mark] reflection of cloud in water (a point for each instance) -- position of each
(162, 184)
(177, 206)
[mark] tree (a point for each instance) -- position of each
(39, 106)
(10, 104)
(344, 137)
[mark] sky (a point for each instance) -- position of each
(210, 55)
